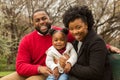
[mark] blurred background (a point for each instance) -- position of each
(15, 22)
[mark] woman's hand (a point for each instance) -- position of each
(56, 73)
(67, 67)
(63, 59)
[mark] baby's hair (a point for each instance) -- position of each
(64, 30)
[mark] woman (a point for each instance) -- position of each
(92, 63)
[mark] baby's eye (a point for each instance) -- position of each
(78, 27)
(55, 40)
(62, 39)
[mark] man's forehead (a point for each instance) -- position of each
(40, 13)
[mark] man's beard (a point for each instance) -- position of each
(44, 33)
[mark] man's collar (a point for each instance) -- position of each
(42, 34)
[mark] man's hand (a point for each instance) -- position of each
(67, 67)
(114, 49)
(44, 70)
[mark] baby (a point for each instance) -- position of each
(60, 48)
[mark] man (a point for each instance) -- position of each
(30, 61)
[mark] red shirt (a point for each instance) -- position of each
(31, 52)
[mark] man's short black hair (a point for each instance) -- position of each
(38, 10)
(77, 12)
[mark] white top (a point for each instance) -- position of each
(53, 53)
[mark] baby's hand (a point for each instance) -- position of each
(55, 60)
(66, 56)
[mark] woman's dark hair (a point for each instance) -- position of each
(77, 12)
(53, 31)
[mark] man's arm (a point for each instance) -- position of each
(24, 65)
(113, 49)
(23, 60)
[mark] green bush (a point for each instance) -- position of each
(4, 66)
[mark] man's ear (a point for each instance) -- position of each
(31, 22)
